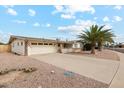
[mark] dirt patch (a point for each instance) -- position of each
(9, 77)
(105, 54)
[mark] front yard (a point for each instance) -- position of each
(46, 75)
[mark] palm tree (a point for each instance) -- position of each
(97, 35)
(104, 35)
(90, 36)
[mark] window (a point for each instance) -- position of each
(21, 43)
(50, 44)
(45, 43)
(40, 43)
(33, 43)
(75, 45)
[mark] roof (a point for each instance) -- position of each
(12, 37)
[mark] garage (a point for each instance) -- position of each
(41, 48)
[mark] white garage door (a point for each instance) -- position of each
(44, 49)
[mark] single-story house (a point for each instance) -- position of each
(30, 46)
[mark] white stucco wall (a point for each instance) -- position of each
(67, 50)
(76, 45)
(41, 49)
(19, 49)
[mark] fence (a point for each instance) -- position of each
(5, 48)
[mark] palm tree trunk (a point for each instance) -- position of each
(100, 46)
(93, 49)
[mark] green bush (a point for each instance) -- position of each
(87, 47)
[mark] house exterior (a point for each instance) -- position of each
(30, 46)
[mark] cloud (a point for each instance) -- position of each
(118, 7)
(107, 26)
(68, 12)
(117, 18)
(31, 12)
(4, 37)
(119, 38)
(8, 6)
(106, 19)
(95, 18)
(72, 29)
(11, 11)
(67, 16)
(36, 24)
(58, 8)
(20, 21)
(78, 27)
(48, 25)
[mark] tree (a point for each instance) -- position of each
(96, 35)
(104, 35)
(90, 36)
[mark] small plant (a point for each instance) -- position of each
(2, 72)
(20, 69)
(28, 70)
(6, 71)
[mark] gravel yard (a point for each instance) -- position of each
(43, 76)
(104, 54)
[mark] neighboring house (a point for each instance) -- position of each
(77, 46)
(121, 45)
(2, 43)
(29, 46)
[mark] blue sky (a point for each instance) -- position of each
(64, 22)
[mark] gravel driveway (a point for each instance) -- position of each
(43, 77)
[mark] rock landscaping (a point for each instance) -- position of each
(42, 75)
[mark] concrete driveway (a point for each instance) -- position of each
(118, 81)
(98, 69)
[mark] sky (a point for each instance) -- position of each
(64, 22)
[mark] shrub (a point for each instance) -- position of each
(87, 47)
(2, 72)
(28, 70)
